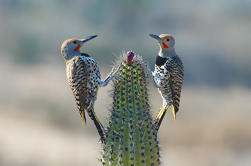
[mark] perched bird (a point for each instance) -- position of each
(84, 78)
(168, 75)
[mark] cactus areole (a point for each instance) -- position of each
(130, 138)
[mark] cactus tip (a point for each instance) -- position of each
(129, 57)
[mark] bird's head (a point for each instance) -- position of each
(165, 41)
(71, 47)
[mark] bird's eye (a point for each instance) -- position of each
(75, 42)
(167, 39)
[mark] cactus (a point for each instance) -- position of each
(131, 137)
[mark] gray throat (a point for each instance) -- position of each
(170, 52)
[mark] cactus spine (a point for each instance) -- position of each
(131, 138)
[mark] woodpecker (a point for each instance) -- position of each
(168, 75)
(83, 76)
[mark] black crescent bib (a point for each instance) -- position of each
(160, 61)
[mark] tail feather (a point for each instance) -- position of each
(160, 116)
(162, 113)
(83, 117)
(173, 110)
(97, 123)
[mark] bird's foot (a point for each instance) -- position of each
(110, 76)
(160, 117)
(115, 74)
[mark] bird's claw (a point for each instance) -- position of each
(115, 74)
(113, 68)
(118, 77)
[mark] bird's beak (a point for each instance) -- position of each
(155, 37)
(87, 39)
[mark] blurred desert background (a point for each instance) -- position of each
(38, 126)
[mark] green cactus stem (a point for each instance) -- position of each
(131, 138)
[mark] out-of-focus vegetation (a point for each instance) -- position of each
(212, 37)
(37, 124)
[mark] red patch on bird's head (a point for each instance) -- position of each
(77, 48)
(129, 57)
(164, 45)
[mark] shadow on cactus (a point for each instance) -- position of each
(131, 137)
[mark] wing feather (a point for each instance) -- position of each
(176, 70)
(77, 74)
